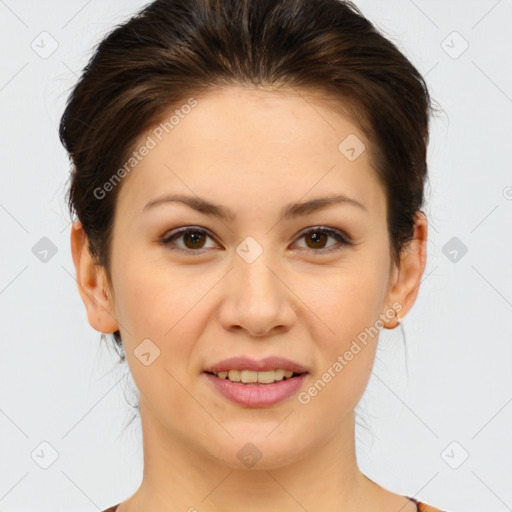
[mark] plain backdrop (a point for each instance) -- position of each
(441, 433)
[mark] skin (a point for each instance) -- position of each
(252, 151)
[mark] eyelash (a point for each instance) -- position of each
(341, 238)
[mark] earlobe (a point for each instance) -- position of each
(91, 282)
(407, 279)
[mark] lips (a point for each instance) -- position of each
(257, 394)
(245, 363)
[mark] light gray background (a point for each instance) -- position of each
(60, 384)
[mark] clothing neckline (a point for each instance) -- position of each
(415, 501)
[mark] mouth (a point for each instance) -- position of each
(256, 389)
(256, 382)
(251, 377)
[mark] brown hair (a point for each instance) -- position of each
(174, 49)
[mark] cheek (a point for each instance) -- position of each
(152, 304)
(346, 328)
(349, 300)
(150, 298)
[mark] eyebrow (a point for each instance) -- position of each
(290, 211)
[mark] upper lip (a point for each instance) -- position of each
(245, 363)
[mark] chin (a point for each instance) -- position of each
(258, 452)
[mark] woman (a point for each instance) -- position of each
(248, 181)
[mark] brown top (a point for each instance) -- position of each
(421, 507)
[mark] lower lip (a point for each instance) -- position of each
(257, 395)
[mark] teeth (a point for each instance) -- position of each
(233, 375)
(266, 377)
(279, 374)
(252, 377)
(249, 376)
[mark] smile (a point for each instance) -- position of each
(253, 377)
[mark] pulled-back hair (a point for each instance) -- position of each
(173, 50)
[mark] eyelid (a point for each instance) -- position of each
(177, 233)
(341, 236)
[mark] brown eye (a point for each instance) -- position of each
(319, 237)
(193, 239)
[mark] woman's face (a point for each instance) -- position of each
(255, 284)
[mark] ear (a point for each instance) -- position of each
(405, 281)
(92, 283)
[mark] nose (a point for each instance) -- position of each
(257, 298)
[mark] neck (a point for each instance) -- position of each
(178, 477)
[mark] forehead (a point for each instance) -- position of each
(240, 146)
